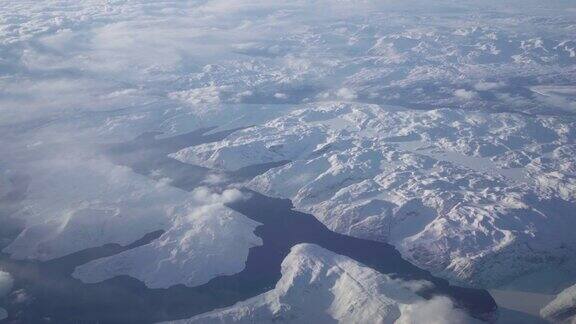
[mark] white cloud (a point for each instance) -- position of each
(206, 95)
(74, 202)
(487, 86)
(438, 310)
(465, 94)
(242, 95)
(417, 285)
(205, 196)
(346, 94)
(215, 179)
(6, 283)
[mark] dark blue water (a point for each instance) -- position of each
(59, 298)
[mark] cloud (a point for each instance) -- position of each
(438, 310)
(487, 86)
(76, 54)
(205, 196)
(465, 94)
(208, 95)
(6, 283)
(417, 285)
(280, 95)
(20, 296)
(346, 94)
(215, 179)
(74, 203)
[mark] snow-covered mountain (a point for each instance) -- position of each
(479, 197)
(445, 128)
(319, 286)
(563, 308)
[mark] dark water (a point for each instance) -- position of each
(59, 298)
(10, 226)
